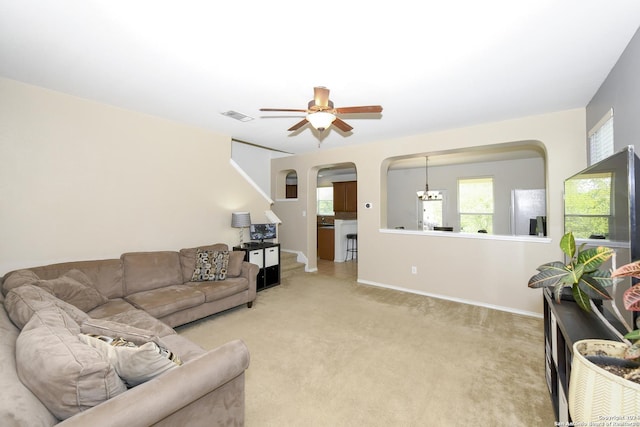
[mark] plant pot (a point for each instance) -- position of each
(596, 395)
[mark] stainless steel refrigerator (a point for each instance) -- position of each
(527, 206)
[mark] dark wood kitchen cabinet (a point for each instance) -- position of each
(345, 196)
(326, 243)
(291, 191)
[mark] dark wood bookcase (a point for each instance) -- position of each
(564, 324)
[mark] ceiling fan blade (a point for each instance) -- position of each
(321, 96)
(361, 109)
(283, 109)
(298, 125)
(342, 125)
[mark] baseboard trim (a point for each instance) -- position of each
(448, 298)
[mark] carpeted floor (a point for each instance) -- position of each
(327, 351)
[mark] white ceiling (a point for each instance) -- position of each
(431, 65)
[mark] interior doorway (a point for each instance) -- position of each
(336, 210)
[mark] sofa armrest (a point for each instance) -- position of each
(250, 271)
(207, 388)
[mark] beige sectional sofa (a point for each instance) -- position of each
(54, 370)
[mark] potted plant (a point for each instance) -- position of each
(582, 274)
(603, 373)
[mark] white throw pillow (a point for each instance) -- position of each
(134, 364)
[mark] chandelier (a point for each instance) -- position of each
(427, 195)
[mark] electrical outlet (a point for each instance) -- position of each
(414, 269)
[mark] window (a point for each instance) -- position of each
(431, 211)
(588, 206)
(475, 204)
(291, 185)
(325, 200)
(601, 139)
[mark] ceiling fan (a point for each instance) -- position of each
(322, 114)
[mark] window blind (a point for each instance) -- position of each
(601, 139)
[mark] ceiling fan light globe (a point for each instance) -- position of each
(320, 120)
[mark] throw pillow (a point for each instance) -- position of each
(75, 288)
(133, 364)
(66, 375)
(236, 258)
(22, 302)
(210, 265)
(188, 258)
(19, 278)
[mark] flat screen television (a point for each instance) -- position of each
(600, 209)
(262, 232)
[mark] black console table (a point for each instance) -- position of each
(564, 324)
(267, 257)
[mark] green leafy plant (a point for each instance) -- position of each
(587, 282)
(582, 273)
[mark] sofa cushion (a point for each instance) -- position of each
(134, 364)
(236, 258)
(142, 320)
(110, 328)
(167, 300)
(188, 258)
(66, 375)
(18, 278)
(214, 291)
(105, 274)
(18, 406)
(210, 265)
(22, 302)
(75, 288)
(110, 308)
(144, 271)
(185, 348)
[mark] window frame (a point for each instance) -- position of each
(606, 216)
(490, 213)
(318, 200)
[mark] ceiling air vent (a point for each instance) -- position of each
(237, 116)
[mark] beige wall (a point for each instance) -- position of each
(83, 180)
(477, 269)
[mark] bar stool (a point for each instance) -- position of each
(352, 246)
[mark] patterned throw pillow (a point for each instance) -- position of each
(210, 265)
